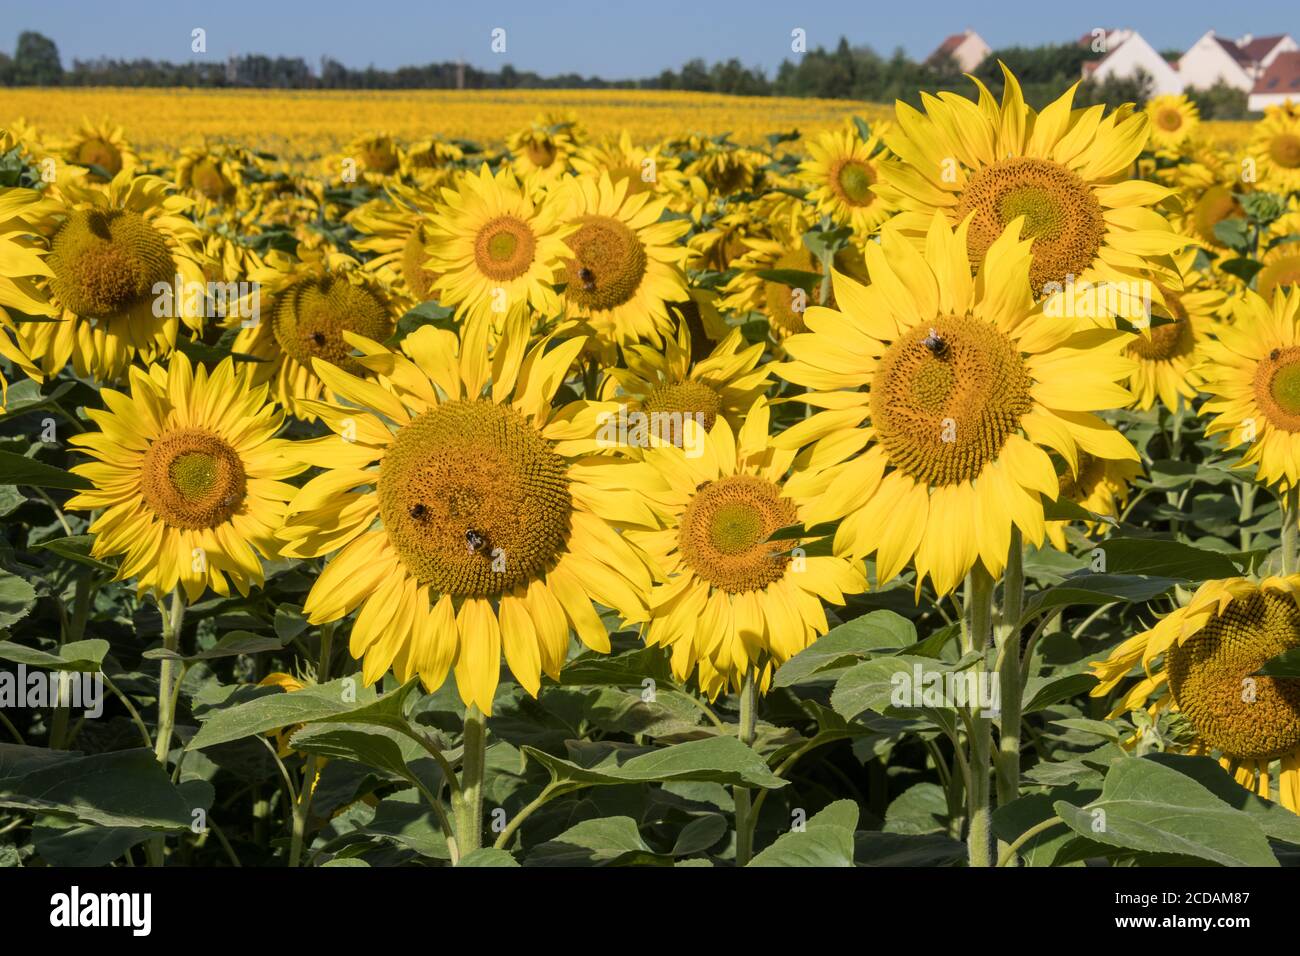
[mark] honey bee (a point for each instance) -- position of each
(475, 541)
(318, 338)
(588, 279)
(1275, 354)
(418, 511)
(935, 343)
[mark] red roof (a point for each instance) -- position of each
(1237, 53)
(1282, 75)
(948, 46)
(1259, 47)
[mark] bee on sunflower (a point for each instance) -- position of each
(941, 395)
(1201, 663)
(623, 264)
(462, 516)
(306, 306)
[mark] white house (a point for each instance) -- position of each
(1280, 82)
(1237, 63)
(1131, 54)
(967, 49)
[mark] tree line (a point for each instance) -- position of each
(844, 72)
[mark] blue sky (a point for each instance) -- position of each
(613, 38)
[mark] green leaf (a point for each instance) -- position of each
(898, 849)
(488, 856)
(277, 708)
(1233, 233)
(230, 645)
(1086, 588)
(1286, 664)
(1169, 559)
(700, 834)
(722, 760)
(1153, 808)
(871, 684)
(826, 840)
(1243, 268)
(124, 788)
(1044, 693)
(76, 548)
(604, 841)
(853, 640)
(795, 278)
(21, 470)
(628, 669)
(86, 656)
(1276, 821)
(16, 598)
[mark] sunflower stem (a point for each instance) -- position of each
(747, 731)
(1010, 686)
(1246, 513)
(167, 679)
(311, 771)
(1290, 500)
(469, 804)
(980, 830)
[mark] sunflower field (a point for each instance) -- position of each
(885, 487)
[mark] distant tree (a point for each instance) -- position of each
(1115, 90)
(1220, 101)
(36, 61)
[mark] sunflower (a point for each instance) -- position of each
(1252, 375)
(102, 149)
(305, 308)
(841, 169)
(1098, 485)
(189, 477)
(1174, 119)
(646, 169)
(1167, 354)
(623, 265)
(1281, 260)
(374, 155)
(1064, 171)
(782, 304)
(1275, 147)
(493, 248)
(213, 174)
(110, 253)
(725, 169)
(668, 381)
(542, 151)
(22, 265)
(397, 232)
(969, 386)
(727, 598)
(1210, 651)
(462, 524)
